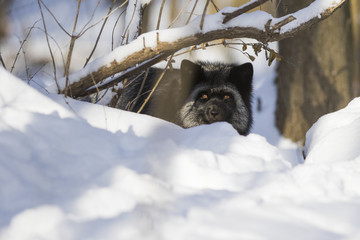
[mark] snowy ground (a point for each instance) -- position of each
(101, 173)
(74, 170)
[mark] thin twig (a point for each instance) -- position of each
(99, 99)
(229, 16)
(216, 7)
(26, 66)
(160, 13)
(97, 89)
(93, 25)
(282, 23)
(99, 35)
(58, 23)
(49, 47)
(116, 97)
(127, 36)
(71, 47)
(39, 85)
(277, 5)
(130, 105)
(156, 84)
(113, 30)
(92, 16)
(192, 11)
(22, 45)
(203, 15)
(37, 71)
(56, 43)
(67, 103)
(181, 11)
(140, 90)
(126, 32)
(2, 61)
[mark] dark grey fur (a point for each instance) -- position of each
(198, 93)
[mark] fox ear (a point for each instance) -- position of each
(241, 76)
(190, 72)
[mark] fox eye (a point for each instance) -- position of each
(227, 97)
(204, 97)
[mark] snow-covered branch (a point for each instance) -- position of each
(152, 47)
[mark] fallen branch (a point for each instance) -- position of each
(152, 47)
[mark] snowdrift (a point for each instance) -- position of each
(73, 170)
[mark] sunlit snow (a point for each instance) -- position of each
(73, 170)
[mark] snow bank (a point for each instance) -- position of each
(72, 170)
(338, 131)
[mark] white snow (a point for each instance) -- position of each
(341, 127)
(72, 170)
(99, 173)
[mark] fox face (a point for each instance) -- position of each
(215, 106)
(220, 93)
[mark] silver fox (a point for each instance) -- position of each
(199, 93)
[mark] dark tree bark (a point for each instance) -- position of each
(3, 23)
(316, 75)
(355, 16)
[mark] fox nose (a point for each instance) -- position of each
(214, 113)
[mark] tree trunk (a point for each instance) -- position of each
(355, 16)
(316, 74)
(3, 22)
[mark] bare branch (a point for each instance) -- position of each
(99, 35)
(140, 58)
(22, 45)
(92, 16)
(160, 13)
(83, 31)
(2, 61)
(156, 84)
(179, 14)
(56, 43)
(134, 23)
(216, 7)
(141, 89)
(283, 22)
(49, 47)
(71, 47)
(26, 66)
(192, 11)
(113, 30)
(204, 13)
(242, 10)
(58, 23)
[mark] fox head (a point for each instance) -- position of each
(216, 92)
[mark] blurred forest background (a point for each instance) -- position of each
(318, 73)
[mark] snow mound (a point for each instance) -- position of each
(73, 170)
(335, 136)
